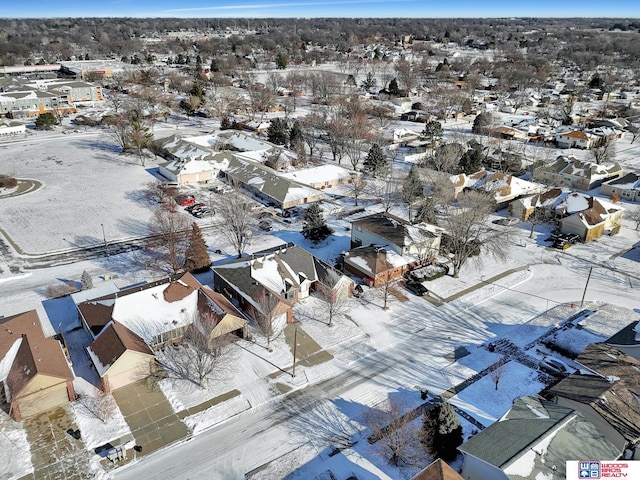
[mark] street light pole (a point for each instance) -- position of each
(295, 348)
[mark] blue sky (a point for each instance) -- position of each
(320, 8)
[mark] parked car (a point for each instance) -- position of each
(507, 222)
(417, 288)
(265, 225)
(185, 200)
(194, 206)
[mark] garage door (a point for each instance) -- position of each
(44, 400)
(125, 378)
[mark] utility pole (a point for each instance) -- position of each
(585, 287)
(104, 237)
(295, 348)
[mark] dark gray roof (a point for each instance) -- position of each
(568, 435)
(529, 420)
(626, 336)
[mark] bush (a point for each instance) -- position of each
(8, 182)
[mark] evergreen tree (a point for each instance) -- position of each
(46, 121)
(197, 90)
(278, 132)
(481, 123)
(281, 61)
(432, 132)
(471, 161)
(198, 70)
(295, 135)
(315, 226)
(85, 281)
(375, 163)
(447, 436)
(196, 257)
(369, 82)
(412, 188)
(394, 89)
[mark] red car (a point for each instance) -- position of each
(185, 200)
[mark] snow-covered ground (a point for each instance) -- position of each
(377, 353)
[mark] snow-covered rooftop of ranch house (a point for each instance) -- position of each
(156, 310)
(320, 174)
(218, 161)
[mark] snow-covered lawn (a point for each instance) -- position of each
(97, 415)
(16, 452)
(482, 401)
(86, 185)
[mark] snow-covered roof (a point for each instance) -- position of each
(322, 173)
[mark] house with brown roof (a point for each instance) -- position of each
(578, 213)
(35, 375)
(576, 139)
(284, 275)
(438, 470)
(606, 392)
(591, 223)
(502, 187)
(384, 247)
(129, 325)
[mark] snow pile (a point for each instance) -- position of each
(16, 457)
(216, 414)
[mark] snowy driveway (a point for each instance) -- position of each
(149, 415)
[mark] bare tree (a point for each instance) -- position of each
(333, 306)
(394, 433)
(633, 214)
(201, 358)
(264, 313)
(100, 404)
(357, 186)
(238, 223)
(353, 149)
(603, 152)
(312, 126)
(120, 129)
(496, 375)
(468, 232)
(169, 232)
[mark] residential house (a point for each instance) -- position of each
(601, 217)
(276, 279)
(534, 439)
(625, 188)
(502, 187)
(573, 173)
(437, 470)
(557, 204)
(267, 186)
(509, 133)
(35, 375)
(384, 247)
(196, 170)
(576, 139)
(606, 392)
(322, 177)
(129, 325)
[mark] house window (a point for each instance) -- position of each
(289, 295)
